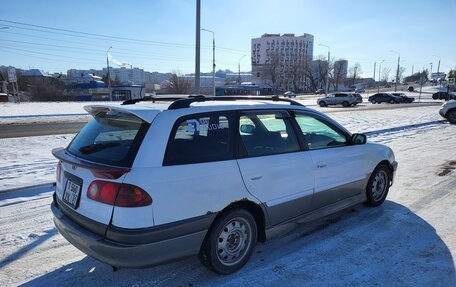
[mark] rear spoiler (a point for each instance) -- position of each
(146, 114)
(98, 170)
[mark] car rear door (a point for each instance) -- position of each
(273, 167)
(340, 168)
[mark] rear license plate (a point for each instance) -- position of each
(72, 193)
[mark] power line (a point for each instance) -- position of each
(96, 36)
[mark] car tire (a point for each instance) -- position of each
(322, 104)
(230, 242)
(451, 116)
(378, 185)
(373, 102)
(345, 104)
(392, 102)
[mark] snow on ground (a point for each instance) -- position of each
(29, 161)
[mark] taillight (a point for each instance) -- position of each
(118, 194)
(58, 171)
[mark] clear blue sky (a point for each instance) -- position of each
(359, 31)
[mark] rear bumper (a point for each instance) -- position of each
(126, 255)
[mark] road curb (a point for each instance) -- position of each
(31, 187)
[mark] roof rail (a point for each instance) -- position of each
(152, 99)
(186, 102)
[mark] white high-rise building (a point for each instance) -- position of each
(280, 61)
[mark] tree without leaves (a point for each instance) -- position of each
(354, 72)
(271, 69)
(385, 74)
(401, 74)
(178, 85)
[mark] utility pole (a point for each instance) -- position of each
(197, 47)
(239, 69)
(379, 72)
(109, 76)
(397, 70)
(375, 63)
(213, 59)
(431, 72)
(412, 69)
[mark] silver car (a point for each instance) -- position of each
(343, 99)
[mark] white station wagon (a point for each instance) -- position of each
(147, 183)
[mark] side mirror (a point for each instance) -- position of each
(247, 129)
(359, 139)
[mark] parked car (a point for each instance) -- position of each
(387, 86)
(404, 97)
(359, 98)
(319, 91)
(360, 90)
(289, 94)
(443, 96)
(143, 184)
(337, 99)
(448, 111)
(410, 89)
(384, 98)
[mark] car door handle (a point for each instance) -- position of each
(256, 177)
(321, 165)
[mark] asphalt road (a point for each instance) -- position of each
(39, 129)
(56, 128)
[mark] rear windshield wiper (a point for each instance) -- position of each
(97, 147)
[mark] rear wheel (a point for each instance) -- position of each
(392, 102)
(373, 102)
(230, 242)
(322, 104)
(345, 104)
(451, 116)
(378, 185)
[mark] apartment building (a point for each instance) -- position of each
(281, 60)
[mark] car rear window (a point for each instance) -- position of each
(110, 138)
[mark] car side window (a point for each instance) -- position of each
(267, 133)
(318, 134)
(200, 139)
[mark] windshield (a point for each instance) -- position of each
(109, 138)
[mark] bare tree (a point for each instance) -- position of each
(354, 72)
(385, 74)
(271, 69)
(178, 85)
(336, 74)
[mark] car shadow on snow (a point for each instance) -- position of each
(387, 246)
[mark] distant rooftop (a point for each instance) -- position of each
(35, 73)
(284, 35)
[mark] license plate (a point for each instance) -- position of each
(72, 193)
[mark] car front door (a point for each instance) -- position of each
(340, 168)
(273, 167)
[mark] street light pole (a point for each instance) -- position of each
(213, 59)
(109, 76)
(379, 72)
(438, 71)
(239, 69)
(397, 70)
(327, 70)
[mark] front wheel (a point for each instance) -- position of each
(345, 104)
(230, 242)
(378, 186)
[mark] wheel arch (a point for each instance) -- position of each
(254, 209)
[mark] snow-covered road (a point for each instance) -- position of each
(408, 241)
